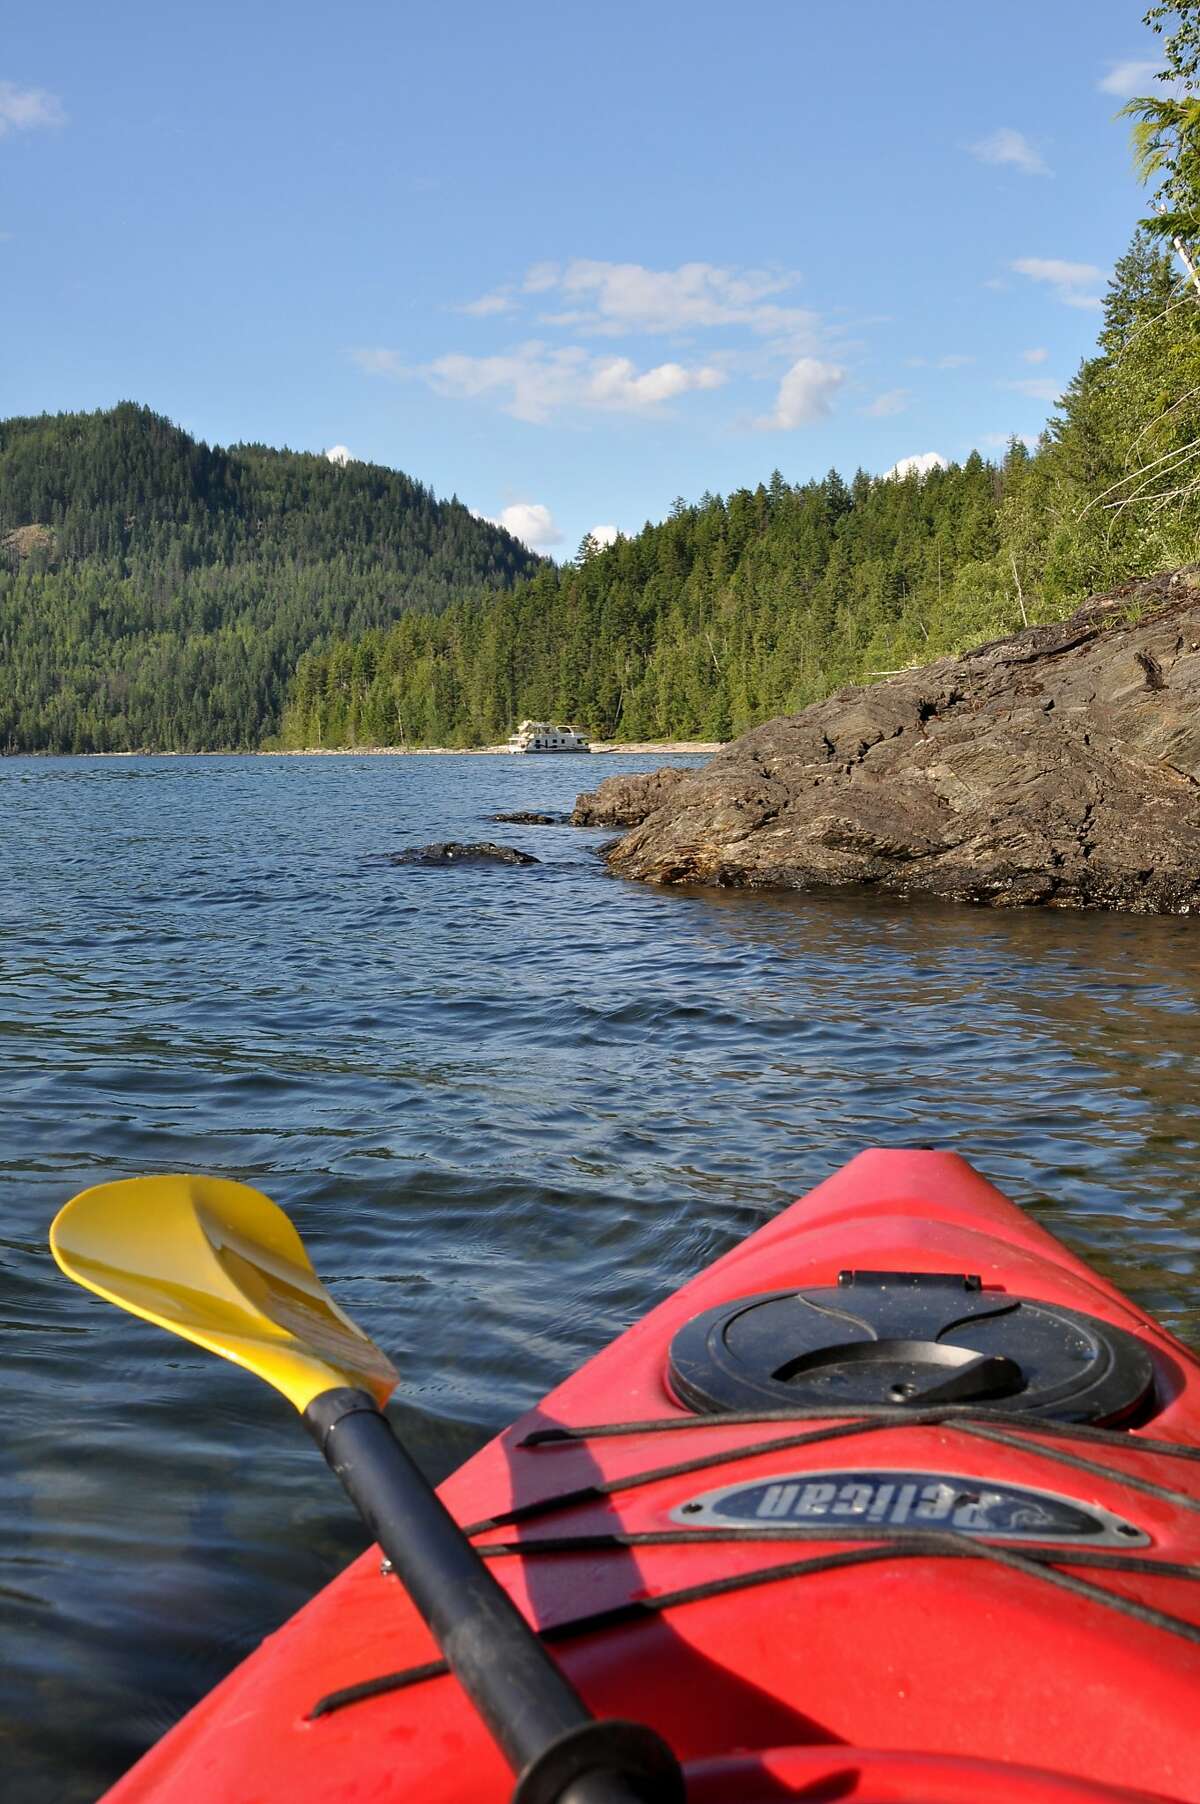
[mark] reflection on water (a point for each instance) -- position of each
(508, 1108)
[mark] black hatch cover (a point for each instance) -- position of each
(908, 1338)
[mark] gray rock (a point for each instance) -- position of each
(454, 852)
(528, 817)
(1060, 766)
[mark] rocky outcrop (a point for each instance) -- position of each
(455, 852)
(23, 541)
(624, 801)
(1060, 766)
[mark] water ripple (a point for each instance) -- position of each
(508, 1109)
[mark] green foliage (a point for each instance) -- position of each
(1166, 132)
(1181, 47)
(1166, 153)
(1118, 489)
(155, 591)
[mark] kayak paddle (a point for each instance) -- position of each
(222, 1265)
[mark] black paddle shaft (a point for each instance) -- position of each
(559, 1751)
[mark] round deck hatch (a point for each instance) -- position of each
(916, 1339)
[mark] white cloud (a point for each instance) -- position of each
(895, 400)
(1129, 78)
(529, 521)
(548, 375)
(23, 109)
(1037, 354)
(540, 277)
(918, 465)
(487, 304)
(805, 394)
(378, 362)
(341, 454)
(563, 370)
(605, 535)
(1071, 283)
(614, 382)
(535, 382)
(1011, 147)
(618, 299)
(1038, 388)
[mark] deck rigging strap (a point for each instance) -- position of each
(987, 1426)
(1007, 1428)
(886, 1544)
(1122, 1438)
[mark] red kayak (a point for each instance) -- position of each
(896, 1501)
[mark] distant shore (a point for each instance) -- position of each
(657, 747)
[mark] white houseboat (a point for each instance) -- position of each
(543, 736)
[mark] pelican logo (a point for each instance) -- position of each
(944, 1501)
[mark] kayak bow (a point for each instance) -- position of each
(898, 1500)
(221, 1265)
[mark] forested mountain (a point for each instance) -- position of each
(156, 591)
(738, 608)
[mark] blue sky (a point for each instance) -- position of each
(566, 262)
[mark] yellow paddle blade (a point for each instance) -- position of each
(220, 1264)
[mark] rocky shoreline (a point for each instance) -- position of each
(1058, 767)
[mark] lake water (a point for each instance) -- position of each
(508, 1108)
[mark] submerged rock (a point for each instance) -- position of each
(527, 817)
(455, 852)
(1059, 766)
